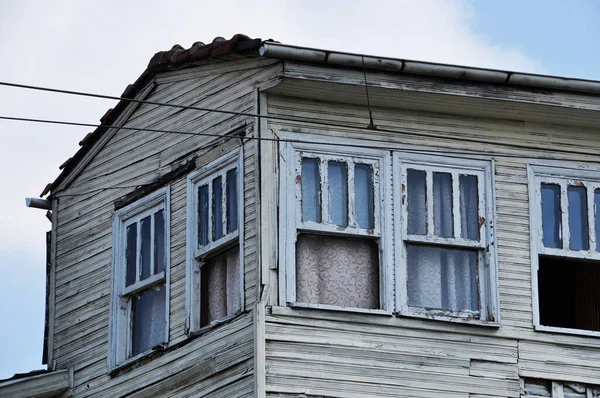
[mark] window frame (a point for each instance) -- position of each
(289, 227)
(120, 330)
(488, 313)
(563, 174)
(194, 254)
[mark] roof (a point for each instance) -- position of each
(175, 58)
(178, 57)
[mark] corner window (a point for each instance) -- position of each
(140, 310)
(445, 256)
(215, 269)
(333, 232)
(565, 252)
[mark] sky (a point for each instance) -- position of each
(102, 46)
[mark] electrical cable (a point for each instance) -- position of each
(278, 118)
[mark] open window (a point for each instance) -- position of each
(140, 296)
(215, 268)
(565, 251)
(445, 245)
(331, 224)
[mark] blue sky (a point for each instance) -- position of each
(103, 46)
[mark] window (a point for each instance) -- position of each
(565, 252)
(214, 234)
(384, 231)
(536, 388)
(140, 298)
(446, 256)
(331, 221)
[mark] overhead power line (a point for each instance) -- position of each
(429, 136)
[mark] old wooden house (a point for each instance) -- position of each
(265, 220)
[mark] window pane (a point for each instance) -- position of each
(363, 189)
(159, 241)
(443, 223)
(146, 226)
(578, 218)
(551, 215)
(441, 278)
(130, 254)
(417, 202)
(203, 215)
(311, 190)
(469, 207)
(232, 203)
(338, 193)
(220, 287)
(149, 321)
(337, 271)
(217, 209)
(597, 216)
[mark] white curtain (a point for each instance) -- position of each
(221, 285)
(440, 278)
(337, 271)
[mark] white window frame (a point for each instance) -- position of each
(289, 193)
(195, 254)
(563, 175)
(120, 331)
(488, 313)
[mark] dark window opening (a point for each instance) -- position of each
(568, 293)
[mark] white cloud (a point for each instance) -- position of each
(102, 46)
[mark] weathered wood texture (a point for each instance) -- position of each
(219, 363)
(362, 355)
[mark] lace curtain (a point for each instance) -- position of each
(337, 271)
(220, 290)
(444, 277)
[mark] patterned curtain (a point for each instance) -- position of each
(220, 287)
(337, 271)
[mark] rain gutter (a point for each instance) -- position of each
(304, 54)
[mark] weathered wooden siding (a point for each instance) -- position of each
(218, 363)
(358, 355)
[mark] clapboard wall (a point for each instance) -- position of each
(219, 362)
(336, 354)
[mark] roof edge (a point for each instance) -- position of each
(399, 65)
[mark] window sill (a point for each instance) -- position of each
(342, 309)
(559, 330)
(380, 317)
(214, 324)
(137, 360)
(462, 318)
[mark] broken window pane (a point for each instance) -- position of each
(337, 271)
(363, 189)
(146, 260)
(232, 216)
(597, 216)
(551, 215)
(220, 286)
(338, 193)
(203, 204)
(441, 278)
(417, 202)
(538, 387)
(159, 241)
(442, 205)
(568, 293)
(149, 320)
(311, 190)
(217, 208)
(469, 207)
(578, 218)
(130, 254)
